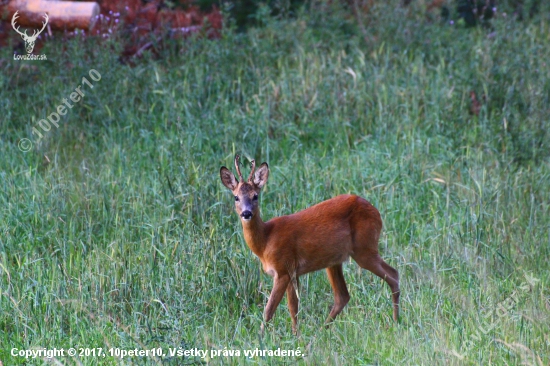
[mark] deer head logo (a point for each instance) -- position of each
(29, 40)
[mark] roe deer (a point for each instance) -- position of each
(322, 236)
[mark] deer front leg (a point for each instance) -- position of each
(280, 283)
(292, 297)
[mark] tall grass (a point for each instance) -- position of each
(115, 230)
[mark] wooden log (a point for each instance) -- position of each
(62, 15)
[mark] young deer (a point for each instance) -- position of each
(322, 236)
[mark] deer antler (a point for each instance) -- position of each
(251, 176)
(44, 24)
(15, 16)
(35, 32)
(237, 157)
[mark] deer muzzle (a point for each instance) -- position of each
(246, 215)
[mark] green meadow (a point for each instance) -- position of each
(116, 233)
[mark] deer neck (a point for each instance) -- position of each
(254, 234)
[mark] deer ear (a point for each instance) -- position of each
(261, 175)
(228, 179)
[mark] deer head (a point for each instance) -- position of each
(29, 40)
(245, 192)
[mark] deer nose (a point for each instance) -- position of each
(247, 215)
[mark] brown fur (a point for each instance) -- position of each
(322, 236)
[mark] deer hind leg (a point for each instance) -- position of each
(292, 297)
(341, 294)
(376, 265)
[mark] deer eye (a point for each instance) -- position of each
(236, 198)
(255, 198)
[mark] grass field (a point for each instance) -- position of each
(116, 232)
